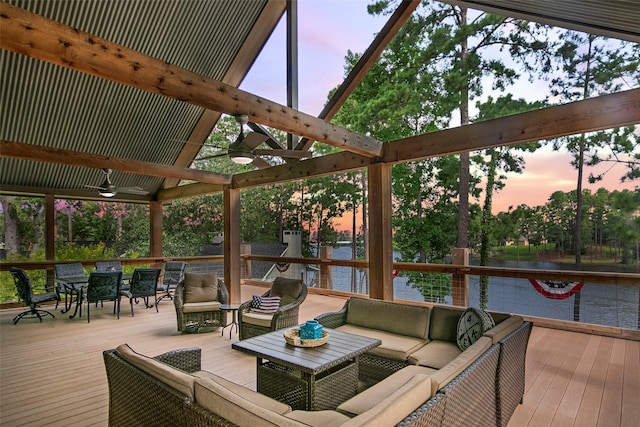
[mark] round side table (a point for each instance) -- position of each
(233, 308)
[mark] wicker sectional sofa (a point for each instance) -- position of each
(481, 385)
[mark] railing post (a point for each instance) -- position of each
(460, 282)
(326, 277)
(245, 268)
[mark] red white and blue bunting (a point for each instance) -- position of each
(282, 266)
(555, 289)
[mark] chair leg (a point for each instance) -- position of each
(131, 304)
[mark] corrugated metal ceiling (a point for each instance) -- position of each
(47, 105)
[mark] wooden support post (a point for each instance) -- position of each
(380, 232)
(232, 243)
(326, 276)
(245, 268)
(50, 237)
(155, 231)
(460, 282)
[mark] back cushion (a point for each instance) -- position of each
(402, 319)
(200, 287)
(287, 289)
(444, 323)
(175, 378)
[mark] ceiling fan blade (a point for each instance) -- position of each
(291, 154)
(253, 139)
(97, 187)
(133, 190)
(260, 163)
(212, 156)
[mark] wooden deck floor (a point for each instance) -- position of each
(52, 374)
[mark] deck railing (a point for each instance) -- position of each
(606, 298)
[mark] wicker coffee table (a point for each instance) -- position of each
(308, 378)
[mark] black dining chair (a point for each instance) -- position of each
(172, 277)
(31, 300)
(143, 284)
(104, 287)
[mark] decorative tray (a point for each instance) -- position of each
(292, 336)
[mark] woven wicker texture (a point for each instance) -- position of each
(335, 319)
(430, 414)
(511, 371)
(203, 319)
(287, 315)
(471, 396)
(138, 399)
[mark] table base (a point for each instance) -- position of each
(300, 390)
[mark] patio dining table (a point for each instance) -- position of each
(74, 286)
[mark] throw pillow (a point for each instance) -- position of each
(287, 289)
(472, 324)
(267, 305)
(200, 287)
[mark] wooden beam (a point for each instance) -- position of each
(188, 190)
(604, 112)
(267, 21)
(381, 232)
(231, 243)
(17, 150)
(593, 114)
(155, 229)
(364, 64)
(35, 36)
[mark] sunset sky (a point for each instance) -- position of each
(329, 28)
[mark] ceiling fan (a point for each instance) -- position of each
(244, 149)
(107, 189)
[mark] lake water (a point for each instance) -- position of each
(610, 305)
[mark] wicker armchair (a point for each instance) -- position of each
(197, 301)
(292, 293)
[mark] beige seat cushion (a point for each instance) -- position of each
(394, 346)
(504, 328)
(396, 406)
(396, 318)
(199, 307)
(258, 319)
(245, 393)
(287, 289)
(319, 418)
(435, 355)
(444, 376)
(235, 408)
(172, 377)
(200, 287)
(366, 400)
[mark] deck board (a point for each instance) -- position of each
(52, 374)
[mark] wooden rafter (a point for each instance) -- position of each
(35, 36)
(17, 150)
(604, 112)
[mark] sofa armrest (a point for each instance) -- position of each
(185, 359)
(334, 319)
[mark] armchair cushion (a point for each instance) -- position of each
(287, 289)
(257, 319)
(199, 287)
(198, 307)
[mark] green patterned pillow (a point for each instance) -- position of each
(471, 325)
